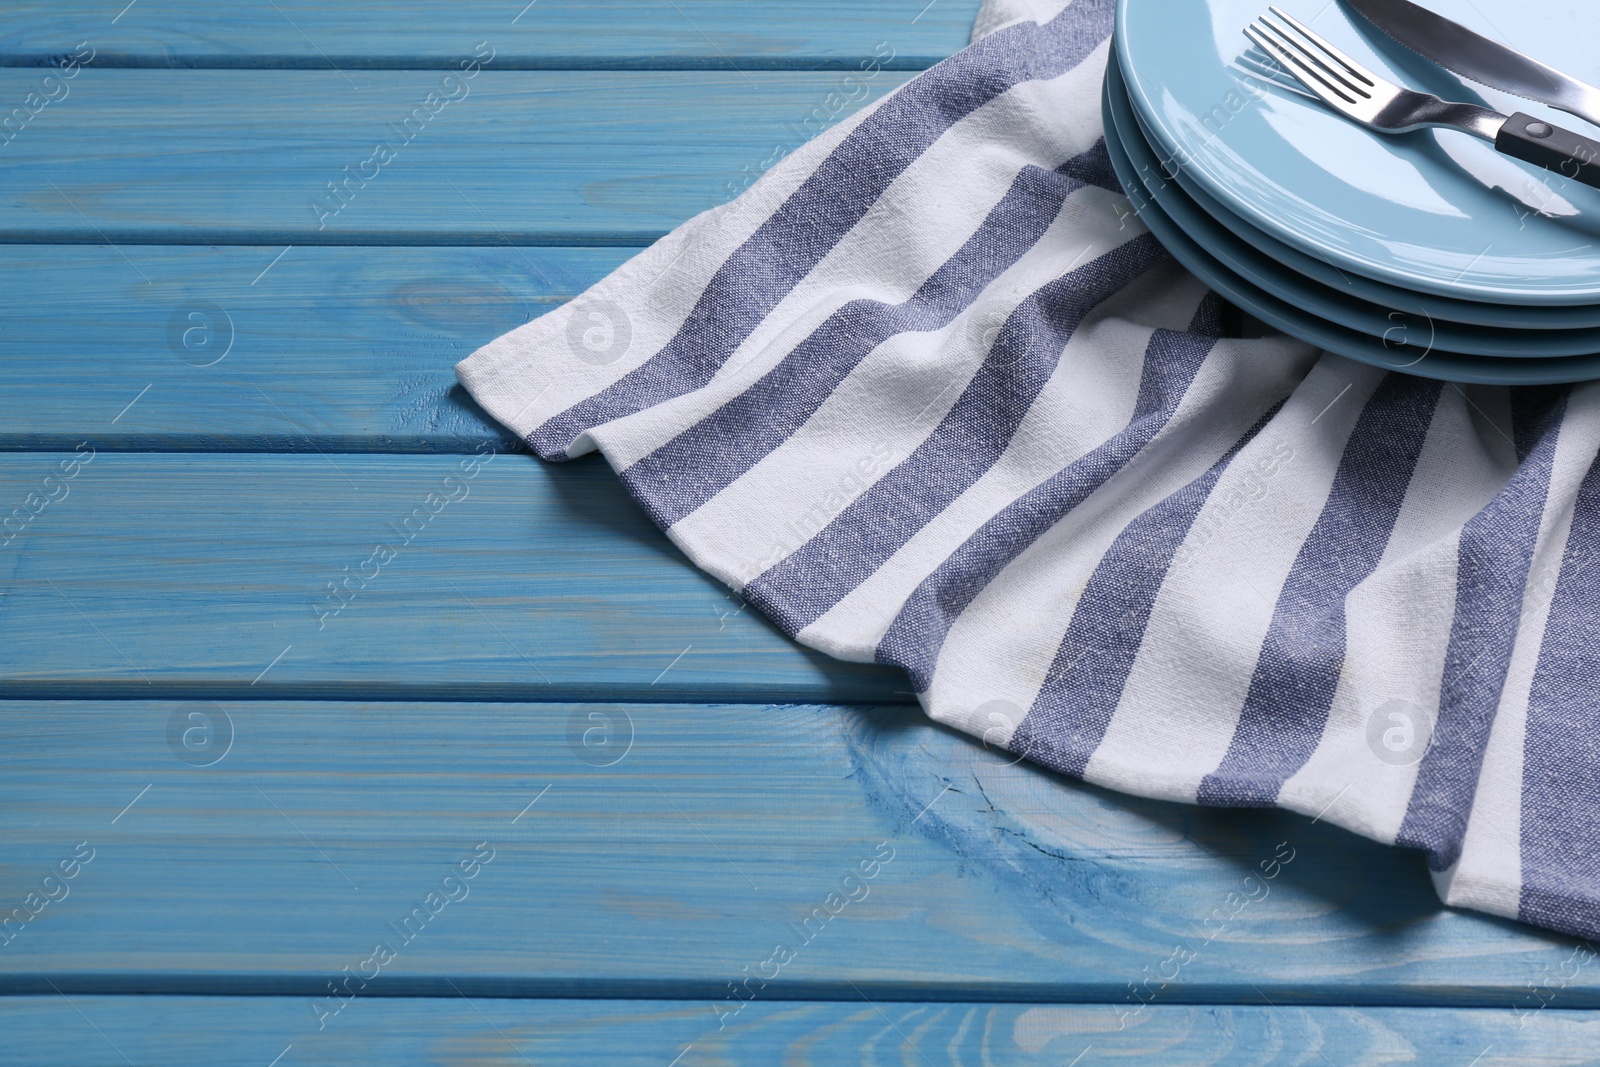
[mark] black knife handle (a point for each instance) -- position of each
(1549, 146)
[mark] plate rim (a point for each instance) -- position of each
(1483, 291)
(1455, 367)
(1328, 301)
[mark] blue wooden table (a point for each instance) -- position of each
(534, 791)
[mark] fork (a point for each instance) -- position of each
(1378, 104)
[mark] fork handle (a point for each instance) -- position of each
(1550, 146)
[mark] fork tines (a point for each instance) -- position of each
(1314, 61)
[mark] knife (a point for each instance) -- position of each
(1471, 55)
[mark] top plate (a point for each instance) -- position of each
(1437, 210)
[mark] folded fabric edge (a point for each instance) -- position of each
(996, 15)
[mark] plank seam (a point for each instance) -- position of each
(242, 691)
(1237, 994)
(345, 239)
(623, 63)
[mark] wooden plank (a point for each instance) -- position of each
(501, 577)
(553, 34)
(214, 156)
(679, 848)
(204, 1031)
(230, 348)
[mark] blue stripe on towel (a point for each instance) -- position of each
(1492, 565)
(707, 457)
(913, 641)
(826, 206)
(1560, 844)
(966, 443)
(1291, 691)
(1070, 715)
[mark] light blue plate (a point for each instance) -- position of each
(1436, 211)
(1131, 156)
(1337, 303)
(1437, 308)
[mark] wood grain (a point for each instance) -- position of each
(505, 578)
(204, 1031)
(355, 347)
(264, 784)
(660, 850)
(570, 157)
(549, 34)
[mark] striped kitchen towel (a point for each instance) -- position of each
(928, 394)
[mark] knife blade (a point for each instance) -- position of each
(1471, 55)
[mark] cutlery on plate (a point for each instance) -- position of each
(1471, 55)
(1362, 96)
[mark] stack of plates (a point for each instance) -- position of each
(1429, 252)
